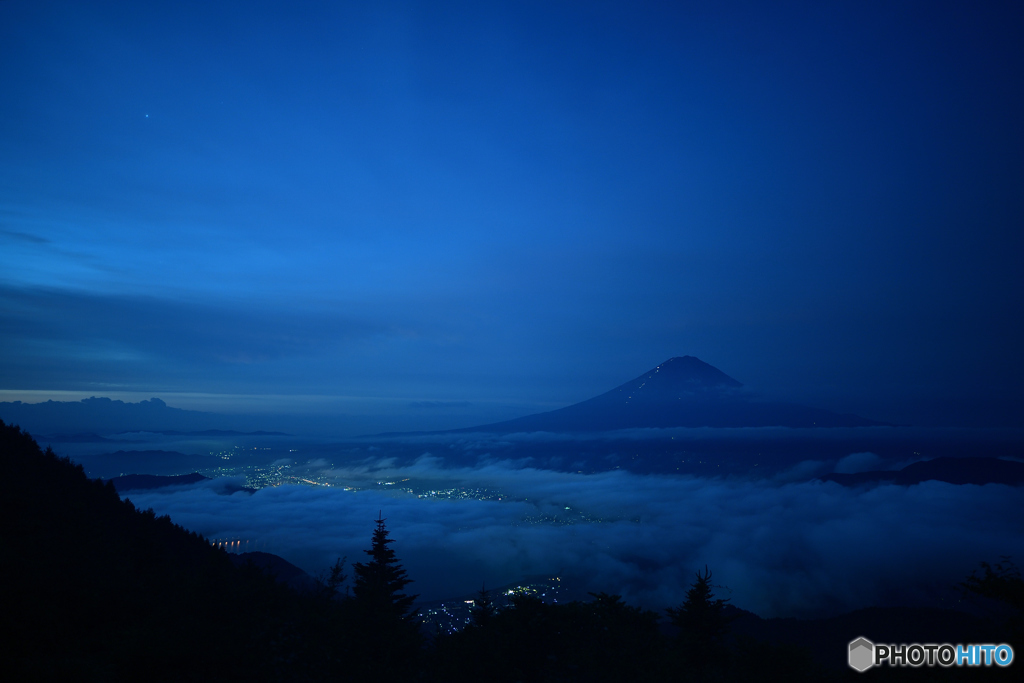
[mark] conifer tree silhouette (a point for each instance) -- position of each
(702, 622)
(379, 582)
(483, 607)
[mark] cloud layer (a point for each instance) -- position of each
(777, 549)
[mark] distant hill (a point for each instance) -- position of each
(681, 392)
(135, 482)
(978, 471)
(276, 566)
(141, 482)
(163, 463)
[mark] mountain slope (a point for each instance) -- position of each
(95, 589)
(681, 392)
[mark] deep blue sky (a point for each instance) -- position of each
(510, 207)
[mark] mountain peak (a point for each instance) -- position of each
(681, 375)
(681, 392)
(693, 370)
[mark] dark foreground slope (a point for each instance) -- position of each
(681, 392)
(94, 589)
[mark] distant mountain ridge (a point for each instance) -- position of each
(101, 415)
(960, 471)
(94, 418)
(207, 432)
(681, 392)
(153, 462)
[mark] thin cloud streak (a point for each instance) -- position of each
(24, 237)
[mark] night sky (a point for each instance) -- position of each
(489, 209)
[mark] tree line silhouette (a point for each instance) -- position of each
(93, 588)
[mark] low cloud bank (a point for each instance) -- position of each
(860, 462)
(776, 548)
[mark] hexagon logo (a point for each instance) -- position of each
(862, 654)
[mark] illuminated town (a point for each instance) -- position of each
(288, 471)
(449, 616)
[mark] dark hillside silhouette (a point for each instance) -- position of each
(279, 568)
(95, 589)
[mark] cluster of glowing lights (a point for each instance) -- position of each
(234, 545)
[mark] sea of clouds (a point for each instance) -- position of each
(776, 547)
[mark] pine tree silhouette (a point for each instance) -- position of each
(702, 622)
(379, 582)
(483, 607)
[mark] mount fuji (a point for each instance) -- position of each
(681, 392)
